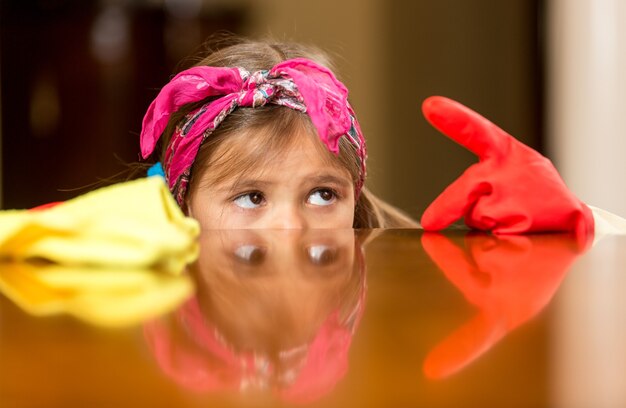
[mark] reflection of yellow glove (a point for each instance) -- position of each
(101, 296)
(131, 225)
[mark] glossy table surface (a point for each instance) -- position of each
(340, 319)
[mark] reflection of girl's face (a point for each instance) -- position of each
(274, 288)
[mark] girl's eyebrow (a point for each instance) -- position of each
(331, 179)
(256, 184)
(248, 184)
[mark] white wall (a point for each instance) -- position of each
(586, 82)
(587, 139)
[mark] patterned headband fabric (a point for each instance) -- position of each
(299, 84)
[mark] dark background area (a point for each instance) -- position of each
(77, 77)
(74, 92)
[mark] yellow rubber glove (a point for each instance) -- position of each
(135, 224)
(100, 296)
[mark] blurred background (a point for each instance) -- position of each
(77, 77)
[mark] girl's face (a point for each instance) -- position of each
(300, 188)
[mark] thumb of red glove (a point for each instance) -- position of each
(512, 189)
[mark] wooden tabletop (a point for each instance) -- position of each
(341, 319)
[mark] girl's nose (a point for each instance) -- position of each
(288, 217)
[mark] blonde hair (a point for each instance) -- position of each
(272, 125)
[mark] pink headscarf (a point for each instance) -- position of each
(299, 84)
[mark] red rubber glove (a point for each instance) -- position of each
(513, 189)
(508, 279)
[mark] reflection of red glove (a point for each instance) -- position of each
(509, 279)
(513, 189)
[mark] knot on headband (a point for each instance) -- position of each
(299, 84)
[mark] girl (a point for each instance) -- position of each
(261, 135)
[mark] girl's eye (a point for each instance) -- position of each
(322, 196)
(250, 200)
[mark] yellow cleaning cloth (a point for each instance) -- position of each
(111, 257)
(136, 224)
